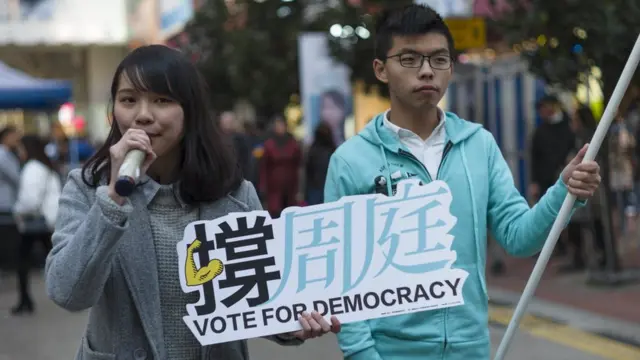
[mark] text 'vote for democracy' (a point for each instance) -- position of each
(420, 297)
(362, 257)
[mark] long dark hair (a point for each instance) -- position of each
(209, 169)
(34, 146)
(323, 137)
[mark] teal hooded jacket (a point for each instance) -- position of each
(484, 197)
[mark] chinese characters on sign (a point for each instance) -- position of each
(362, 257)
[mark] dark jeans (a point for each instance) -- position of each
(24, 261)
(574, 237)
(9, 242)
(597, 229)
(575, 231)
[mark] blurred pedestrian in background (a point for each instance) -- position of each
(35, 210)
(279, 166)
(317, 163)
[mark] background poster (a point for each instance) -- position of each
(37, 9)
(142, 22)
(14, 10)
(174, 15)
(325, 88)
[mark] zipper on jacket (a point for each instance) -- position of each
(409, 155)
(444, 156)
(446, 337)
(446, 150)
(405, 153)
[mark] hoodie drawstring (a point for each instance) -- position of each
(388, 172)
(475, 220)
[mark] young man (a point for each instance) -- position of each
(415, 138)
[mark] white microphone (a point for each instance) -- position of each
(129, 172)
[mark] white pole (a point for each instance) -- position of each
(567, 205)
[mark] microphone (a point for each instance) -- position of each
(129, 172)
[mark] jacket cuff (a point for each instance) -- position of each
(115, 213)
(565, 190)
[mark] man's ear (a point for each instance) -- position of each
(380, 70)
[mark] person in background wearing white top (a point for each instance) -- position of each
(35, 210)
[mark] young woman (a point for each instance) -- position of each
(118, 255)
(35, 210)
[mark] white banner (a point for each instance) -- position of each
(363, 257)
(69, 22)
(450, 8)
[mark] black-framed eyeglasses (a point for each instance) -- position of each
(414, 60)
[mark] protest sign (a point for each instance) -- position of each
(362, 257)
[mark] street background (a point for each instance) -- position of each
(308, 62)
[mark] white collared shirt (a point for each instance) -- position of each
(429, 152)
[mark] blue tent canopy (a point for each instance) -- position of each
(19, 90)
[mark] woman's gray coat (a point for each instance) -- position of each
(109, 268)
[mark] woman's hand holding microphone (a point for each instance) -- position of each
(132, 139)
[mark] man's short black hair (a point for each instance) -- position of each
(548, 99)
(411, 19)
